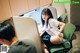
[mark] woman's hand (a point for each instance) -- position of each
(62, 25)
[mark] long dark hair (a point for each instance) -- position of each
(48, 12)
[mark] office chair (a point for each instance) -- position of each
(26, 28)
(63, 18)
(66, 44)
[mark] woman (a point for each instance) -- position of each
(52, 34)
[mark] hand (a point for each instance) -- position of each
(60, 31)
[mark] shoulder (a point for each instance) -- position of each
(53, 21)
(14, 49)
(22, 47)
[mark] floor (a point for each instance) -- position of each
(76, 42)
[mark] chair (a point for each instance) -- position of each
(62, 18)
(66, 44)
(53, 11)
(26, 28)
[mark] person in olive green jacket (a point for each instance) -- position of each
(8, 37)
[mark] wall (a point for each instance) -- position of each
(75, 14)
(60, 9)
(67, 7)
(9, 8)
(73, 11)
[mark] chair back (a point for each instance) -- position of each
(68, 31)
(26, 28)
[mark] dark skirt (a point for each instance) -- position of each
(46, 39)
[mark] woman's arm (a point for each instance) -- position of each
(55, 23)
(62, 25)
(41, 30)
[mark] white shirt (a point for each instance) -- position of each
(52, 28)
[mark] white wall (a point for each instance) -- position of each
(60, 9)
(67, 6)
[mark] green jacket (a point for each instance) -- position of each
(24, 46)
